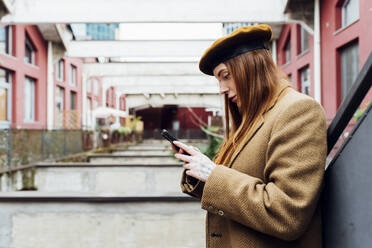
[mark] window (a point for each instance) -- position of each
(73, 100)
(60, 68)
(96, 104)
(60, 106)
(123, 103)
(89, 86)
(96, 87)
(349, 56)
(6, 40)
(29, 100)
(287, 51)
(304, 41)
(73, 75)
(60, 96)
(5, 96)
(350, 12)
(305, 80)
(29, 51)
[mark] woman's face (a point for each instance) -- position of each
(226, 82)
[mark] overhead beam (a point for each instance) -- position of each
(166, 89)
(141, 69)
(139, 48)
(163, 84)
(161, 80)
(206, 100)
(132, 11)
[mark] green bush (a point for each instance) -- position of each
(214, 140)
(125, 130)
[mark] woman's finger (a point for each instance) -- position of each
(183, 157)
(187, 166)
(194, 175)
(174, 149)
(185, 147)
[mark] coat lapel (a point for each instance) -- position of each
(283, 85)
(246, 139)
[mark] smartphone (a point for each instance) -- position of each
(166, 135)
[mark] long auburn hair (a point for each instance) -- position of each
(256, 78)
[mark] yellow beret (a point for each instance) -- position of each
(240, 41)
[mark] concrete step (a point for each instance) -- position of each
(149, 147)
(130, 159)
(154, 141)
(88, 221)
(130, 180)
(142, 152)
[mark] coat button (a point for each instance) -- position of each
(220, 212)
(210, 208)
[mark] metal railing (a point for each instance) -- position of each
(5, 144)
(67, 119)
(20, 147)
(350, 104)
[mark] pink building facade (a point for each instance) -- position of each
(111, 97)
(23, 63)
(23, 82)
(345, 42)
(94, 93)
(296, 57)
(122, 106)
(68, 93)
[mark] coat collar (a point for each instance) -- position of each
(278, 94)
(283, 85)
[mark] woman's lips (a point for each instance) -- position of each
(233, 99)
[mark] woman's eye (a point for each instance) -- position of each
(226, 76)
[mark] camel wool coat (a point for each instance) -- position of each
(268, 196)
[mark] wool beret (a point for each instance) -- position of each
(240, 41)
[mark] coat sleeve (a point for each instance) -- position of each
(282, 204)
(191, 186)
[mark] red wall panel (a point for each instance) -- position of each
(20, 69)
(332, 38)
(298, 61)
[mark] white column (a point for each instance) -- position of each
(84, 108)
(273, 50)
(50, 88)
(317, 59)
(104, 88)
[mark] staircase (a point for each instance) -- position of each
(128, 198)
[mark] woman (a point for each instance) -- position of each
(262, 188)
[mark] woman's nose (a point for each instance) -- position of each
(223, 89)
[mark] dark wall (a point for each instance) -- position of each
(347, 197)
(158, 118)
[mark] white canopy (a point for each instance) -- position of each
(103, 112)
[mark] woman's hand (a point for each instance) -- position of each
(197, 164)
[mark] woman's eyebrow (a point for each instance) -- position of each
(220, 72)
